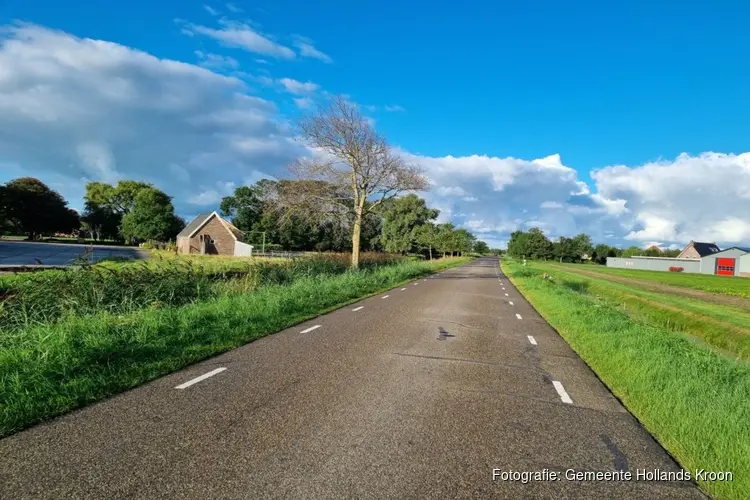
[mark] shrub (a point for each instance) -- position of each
(676, 269)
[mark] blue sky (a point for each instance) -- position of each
(477, 93)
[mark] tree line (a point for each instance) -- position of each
(128, 212)
(132, 212)
(403, 225)
(534, 244)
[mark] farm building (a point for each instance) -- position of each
(697, 257)
(210, 234)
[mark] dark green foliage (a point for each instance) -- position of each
(401, 219)
(30, 207)
(152, 217)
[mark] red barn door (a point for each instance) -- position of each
(725, 266)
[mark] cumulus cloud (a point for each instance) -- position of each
(75, 109)
(667, 202)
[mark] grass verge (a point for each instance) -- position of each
(723, 327)
(725, 285)
(694, 401)
(51, 369)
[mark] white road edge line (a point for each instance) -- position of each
(198, 379)
(358, 308)
(532, 340)
(385, 296)
(311, 329)
(510, 302)
(561, 391)
(518, 316)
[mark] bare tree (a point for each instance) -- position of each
(353, 172)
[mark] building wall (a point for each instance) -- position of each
(745, 265)
(242, 249)
(689, 253)
(708, 263)
(223, 239)
(654, 263)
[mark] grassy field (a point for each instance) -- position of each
(679, 365)
(79, 336)
(727, 285)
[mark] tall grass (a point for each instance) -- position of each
(696, 402)
(48, 369)
(36, 298)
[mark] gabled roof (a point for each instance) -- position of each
(744, 250)
(202, 219)
(704, 249)
(194, 224)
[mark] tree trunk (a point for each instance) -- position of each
(355, 237)
(430, 252)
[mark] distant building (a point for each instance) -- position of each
(697, 257)
(210, 234)
(697, 250)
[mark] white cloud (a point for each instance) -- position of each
(242, 36)
(216, 61)
(297, 87)
(670, 202)
(303, 102)
(74, 109)
(307, 49)
(394, 108)
(702, 198)
(211, 10)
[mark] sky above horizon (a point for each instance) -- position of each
(627, 122)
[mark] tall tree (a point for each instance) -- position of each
(426, 236)
(400, 220)
(248, 203)
(481, 247)
(356, 172)
(34, 209)
(118, 199)
(151, 217)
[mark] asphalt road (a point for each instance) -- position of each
(16, 253)
(419, 392)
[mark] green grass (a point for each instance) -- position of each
(50, 369)
(121, 287)
(727, 285)
(725, 328)
(695, 401)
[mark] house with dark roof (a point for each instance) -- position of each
(211, 234)
(698, 250)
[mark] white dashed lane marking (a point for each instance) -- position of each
(385, 296)
(510, 302)
(561, 391)
(358, 308)
(198, 379)
(311, 329)
(403, 289)
(518, 316)
(532, 340)
(507, 295)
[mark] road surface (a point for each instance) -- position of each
(16, 253)
(418, 392)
